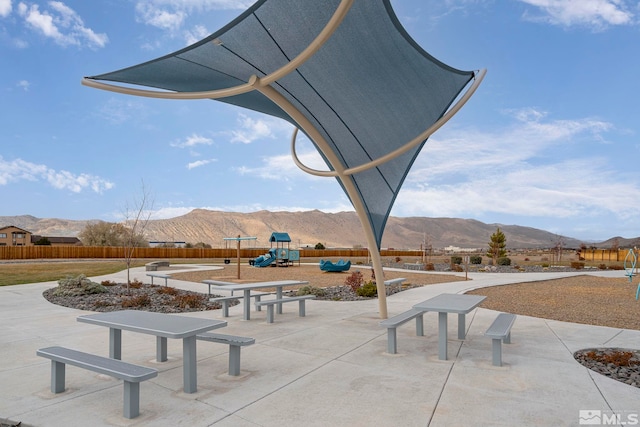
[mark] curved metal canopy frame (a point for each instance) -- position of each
(399, 151)
(339, 171)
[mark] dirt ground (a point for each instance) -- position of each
(580, 299)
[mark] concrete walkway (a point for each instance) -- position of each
(327, 369)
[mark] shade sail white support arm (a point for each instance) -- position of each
(345, 180)
(322, 37)
(399, 151)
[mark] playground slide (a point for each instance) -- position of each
(265, 261)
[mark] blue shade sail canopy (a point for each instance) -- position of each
(363, 94)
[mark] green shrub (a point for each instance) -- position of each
(545, 265)
(368, 290)
(76, 286)
(310, 290)
(475, 259)
(456, 260)
(505, 260)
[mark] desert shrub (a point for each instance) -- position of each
(99, 304)
(577, 265)
(456, 260)
(505, 260)
(137, 301)
(79, 285)
(429, 266)
(190, 300)
(616, 267)
(368, 290)
(310, 290)
(136, 284)
(526, 259)
(457, 268)
(475, 259)
(545, 265)
(398, 259)
(108, 283)
(167, 290)
(602, 266)
(354, 281)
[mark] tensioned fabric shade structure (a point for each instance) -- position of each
(345, 72)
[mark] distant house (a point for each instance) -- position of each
(57, 241)
(14, 236)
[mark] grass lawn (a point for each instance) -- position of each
(18, 273)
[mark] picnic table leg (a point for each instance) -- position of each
(189, 364)
(442, 335)
(462, 326)
(247, 304)
(161, 349)
(279, 296)
(115, 343)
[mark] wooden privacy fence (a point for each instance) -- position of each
(604, 254)
(111, 252)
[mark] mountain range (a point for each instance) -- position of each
(341, 230)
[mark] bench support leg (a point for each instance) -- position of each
(234, 360)
(419, 326)
(301, 310)
(462, 332)
(161, 349)
(258, 299)
(392, 343)
(496, 347)
(57, 376)
(442, 335)
(189, 367)
(507, 339)
(270, 313)
(131, 407)
(225, 308)
(115, 343)
(247, 304)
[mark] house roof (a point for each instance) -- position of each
(13, 226)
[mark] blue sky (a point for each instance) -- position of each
(550, 140)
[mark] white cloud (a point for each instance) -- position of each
(597, 14)
(535, 167)
(24, 84)
(171, 14)
(196, 34)
(192, 141)
(199, 163)
(252, 129)
(61, 24)
(5, 8)
(20, 170)
(282, 168)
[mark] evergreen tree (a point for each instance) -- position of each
(497, 246)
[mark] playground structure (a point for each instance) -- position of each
(278, 256)
(341, 265)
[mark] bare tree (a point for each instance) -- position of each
(558, 248)
(136, 217)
